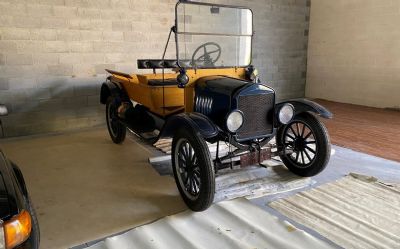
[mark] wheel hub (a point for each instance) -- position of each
(299, 144)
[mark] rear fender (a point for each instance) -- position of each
(108, 89)
(197, 122)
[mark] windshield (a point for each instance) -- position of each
(210, 36)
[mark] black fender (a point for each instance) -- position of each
(305, 105)
(20, 179)
(194, 121)
(109, 88)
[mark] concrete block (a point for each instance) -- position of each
(85, 86)
(15, 34)
(19, 59)
(4, 84)
(92, 58)
(114, 58)
(53, 23)
(6, 21)
(39, 10)
(90, 111)
(8, 96)
(100, 68)
(61, 91)
(88, 3)
(89, 13)
(52, 81)
(70, 58)
(76, 102)
(85, 70)
(89, 35)
(113, 35)
(12, 8)
(21, 83)
(56, 47)
(52, 105)
(60, 70)
(9, 46)
(26, 22)
(26, 47)
(44, 58)
(69, 35)
(80, 47)
(43, 34)
(90, 24)
(54, 3)
(94, 100)
(109, 47)
(121, 25)
(65, 11)
(29, 106)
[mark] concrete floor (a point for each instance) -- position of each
(86, 188)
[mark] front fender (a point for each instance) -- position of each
(195, 121)
(109, 88)
(304, 105)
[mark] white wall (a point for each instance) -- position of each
(354, 52)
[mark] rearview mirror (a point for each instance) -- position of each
(3, 110)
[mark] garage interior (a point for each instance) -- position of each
(342, 54)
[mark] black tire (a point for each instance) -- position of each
(34, 238)
(116, 129)
(304, 145)
(198, 192)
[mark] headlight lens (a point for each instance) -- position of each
(234, 121)
(286, 113)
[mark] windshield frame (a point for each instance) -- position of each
(212, 5)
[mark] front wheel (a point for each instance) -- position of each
(193, 169)
(116, 129)
(304, 145)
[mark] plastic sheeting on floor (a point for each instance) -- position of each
(354, 212)
(254, 182)
(230, 224)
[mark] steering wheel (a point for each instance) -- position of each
(207, 58)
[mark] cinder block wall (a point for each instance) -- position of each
(53, 53)
(354, 52)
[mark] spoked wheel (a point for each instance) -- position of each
(116, 129)
(304, 145)
(193, 169)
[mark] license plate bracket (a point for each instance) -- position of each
(252, 158)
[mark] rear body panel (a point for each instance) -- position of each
(166, 100)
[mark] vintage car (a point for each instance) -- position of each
(18, 223)
(211, 93)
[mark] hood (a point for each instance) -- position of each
(221, 84)
(214, 95)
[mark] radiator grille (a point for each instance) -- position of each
(258, 115)
(204, 105)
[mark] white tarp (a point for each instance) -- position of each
(254, 182)
(354, 212)
(229, 224)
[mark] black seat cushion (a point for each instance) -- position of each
(160, 82)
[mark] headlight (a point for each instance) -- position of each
(234, 121)
(286, 113)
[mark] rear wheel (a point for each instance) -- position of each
(304, 145)
(116, 129)
(193, 169)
